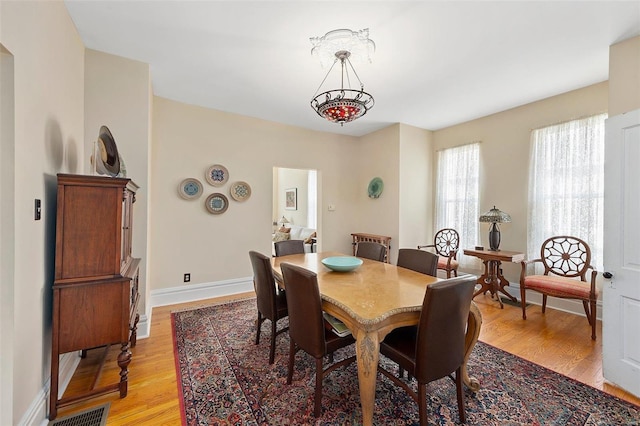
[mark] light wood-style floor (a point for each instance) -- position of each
(556, 340)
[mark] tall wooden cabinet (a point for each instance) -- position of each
(95, 292)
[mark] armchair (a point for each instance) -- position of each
(564, 259)
(446, 243)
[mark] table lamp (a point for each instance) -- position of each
(283, 221)
(494, 216)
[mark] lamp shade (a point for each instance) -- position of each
(495, 216)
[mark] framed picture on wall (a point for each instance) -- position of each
(291, 199)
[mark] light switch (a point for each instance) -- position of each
(38, 210)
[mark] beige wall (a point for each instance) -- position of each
(287, 179)
(504, 156)
(184, 237)
(118, 95)
(624, 76)
(49, 115)
(415, 187)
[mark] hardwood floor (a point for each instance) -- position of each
(556, 340)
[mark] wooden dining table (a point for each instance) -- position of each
(372, 300)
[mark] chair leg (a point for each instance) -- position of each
(272, 350)
(448, 273)
(292, 357)
(422, 403)
(590, 310)
(460, 395)
(544, 302)
(317, 410)
(258, 324)
(455, 273)
(523, 301)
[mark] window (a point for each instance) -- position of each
(457, 194)
(566, 184)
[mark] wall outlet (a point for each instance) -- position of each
(332, 207)
(187, 278)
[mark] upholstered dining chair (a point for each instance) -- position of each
(371, 250)
(286, 247)
(446, 243)
(566, 261)
(417, 260)
(435, 348)
(307, 329)
(272, 303)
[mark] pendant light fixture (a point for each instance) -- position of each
(347, 103)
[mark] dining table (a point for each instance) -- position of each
(372, 300)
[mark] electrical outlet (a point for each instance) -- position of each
(187, 278)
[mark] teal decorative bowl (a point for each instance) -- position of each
(342, 263)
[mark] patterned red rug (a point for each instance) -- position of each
(223, 378)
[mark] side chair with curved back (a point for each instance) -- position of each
(307, 329)
(435, 348)
(421, 261)
(272, 304)
(446, 243)
(286, 247)
(564, 258)
(371, 250)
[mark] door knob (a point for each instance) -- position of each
(607, 275)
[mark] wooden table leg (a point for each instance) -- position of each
(473, 331)
(367, 353)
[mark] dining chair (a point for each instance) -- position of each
(446, 243)
(417, 260)
(307, 330)
(286, 247)
(272, 303)
(371, 250)
(435, 348)
(565, 259)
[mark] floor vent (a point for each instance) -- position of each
(96, 416)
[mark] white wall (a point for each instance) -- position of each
(290, 179)
(48, 60)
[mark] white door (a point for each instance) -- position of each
(621, 292)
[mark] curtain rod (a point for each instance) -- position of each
(458, 146)
(569, 120)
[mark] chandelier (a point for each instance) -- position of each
(345, 104)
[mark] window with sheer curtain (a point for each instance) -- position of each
(457, 185)
(566, 184)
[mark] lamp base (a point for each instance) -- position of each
(494, 237)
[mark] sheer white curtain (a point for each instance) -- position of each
(566, 184)
(457, 194)
(312, 207)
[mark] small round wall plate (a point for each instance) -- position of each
(217, 175)
(240, 191)
(216, 203)
(375, 187)
(190, 189)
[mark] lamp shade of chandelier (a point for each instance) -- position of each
(345, 104)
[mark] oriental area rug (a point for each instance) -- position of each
(225, 379)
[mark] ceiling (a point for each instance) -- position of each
(436, 64)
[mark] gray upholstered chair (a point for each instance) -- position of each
(272, 304)
(418, 260)
(307, 329)
(371, 250)
(286, 247)
(435, 348)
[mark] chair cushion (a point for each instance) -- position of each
(442, 262)
(559, 286)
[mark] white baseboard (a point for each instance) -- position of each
(195, 292)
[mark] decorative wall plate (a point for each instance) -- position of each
(375, 187)
(216, 203)
(107, 158)
(190, 189)
(217, 175)
(240, 191)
